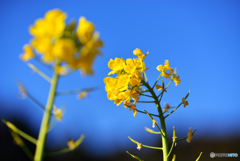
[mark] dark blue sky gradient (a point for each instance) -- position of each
(200, 38)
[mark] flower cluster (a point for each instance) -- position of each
(167, 72)
(125, 87)
(77, 46)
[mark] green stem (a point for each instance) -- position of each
(162, 121)
(146, 113)
(21, 144)
(171, 149)
(16, 130)
(177, 106)
(46, 117)
(157, 80)
(67, 149)
(75, 91)
(35, 69)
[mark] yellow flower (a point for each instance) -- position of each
(154, 122)
(28, 53)
(88, 53)
(42, 45)
(85, 30)
(139, 53)
(185, 103)
(175, 78)
(52, 25)
(125, 87)
(57, 113)
(116, 65)
(139, 146)
(190, 134)
(64, 49)
(160, 88)
(82, 95)
(122, 82)
(130, 66)
(133, 107)
(71, 144)
(164, 69)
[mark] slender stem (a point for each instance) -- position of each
(143, 70)
(162, 121)
(75, 91)
(155, 124)
(184, 137)
(67, 149)
(146, 146)
(34, 100)
(161, 94)
(157, 80)
(171, 149)
(135, 157)
(46, 117)
(21, 143)
(199, 156)
(144, 101)
(177, 106)
(17, 131)
(146, 113)
(151, 131)
(35, 69)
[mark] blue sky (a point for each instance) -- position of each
(200, 38)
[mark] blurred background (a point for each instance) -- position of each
(200, 38)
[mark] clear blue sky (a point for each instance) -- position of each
(200, 38)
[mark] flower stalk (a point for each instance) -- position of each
(162, 122)
(40, 146)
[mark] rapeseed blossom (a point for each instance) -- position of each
(76, 47)
(125, 87)
(167, 72)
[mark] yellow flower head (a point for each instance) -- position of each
(126, 86)
(28, 53)
(139, 53)
(164, 69)
(185, 103)
(154, 123)
(57, 113)
(139, 146)
(133, 107)
(53, 39)
(190, 134)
